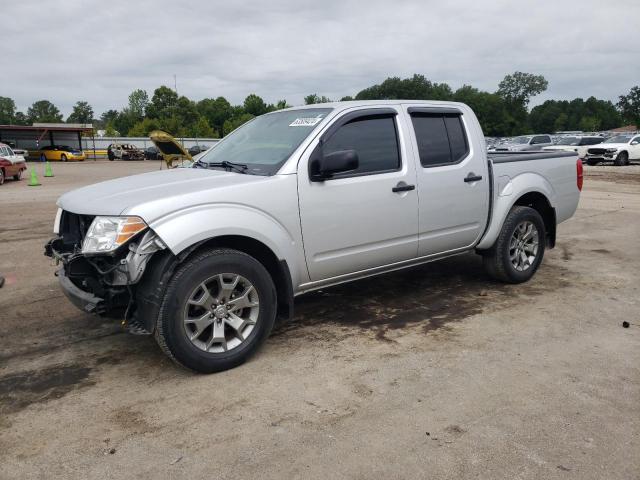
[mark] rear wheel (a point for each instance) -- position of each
(622, 159)
(518, 251)
(218, 309)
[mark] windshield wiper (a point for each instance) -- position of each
(238, 167)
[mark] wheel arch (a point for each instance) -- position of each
(539, 202)
(152, 286)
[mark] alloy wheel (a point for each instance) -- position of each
(221, 313)
(523, 246)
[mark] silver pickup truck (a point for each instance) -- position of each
(206, 258)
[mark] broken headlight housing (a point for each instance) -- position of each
(106, 234)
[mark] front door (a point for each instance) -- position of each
(364, 218)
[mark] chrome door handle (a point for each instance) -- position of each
(472, 178)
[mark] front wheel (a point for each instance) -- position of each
(518, 251)
(1, 177)
(18, 175)
(622, 159)
(218, 309)
(63, 158)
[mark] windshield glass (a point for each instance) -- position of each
(619, 139)
(266, 142)
(519, 140)
(569, 141)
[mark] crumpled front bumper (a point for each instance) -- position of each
(85, 301)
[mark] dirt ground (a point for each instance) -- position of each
(433, 372)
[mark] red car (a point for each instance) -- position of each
(11, 165)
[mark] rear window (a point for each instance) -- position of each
(441, 138)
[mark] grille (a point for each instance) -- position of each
(74, 227)
(597, 151)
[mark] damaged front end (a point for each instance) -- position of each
(102, 260)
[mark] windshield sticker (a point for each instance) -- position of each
(306, 122)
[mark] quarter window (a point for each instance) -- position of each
(441, 138)
(374, 139)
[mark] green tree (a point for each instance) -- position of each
(82, 113)
(234, 122)
(254, 105)
(202, 129)
(589, 124)
(138, 103)
(347, 98)
(44, 111)
(490, 109)
(417, 88)
(315, 98)
(281, 104)
(162, 103)
(560, 123)
(144, 127)
(629, 106)
(7, 111)
(20, 119)
(216, 111)
(518, 88)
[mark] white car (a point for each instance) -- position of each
(523, 143)
(619, 150)
(579, 144)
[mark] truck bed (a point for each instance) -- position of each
(507, 157)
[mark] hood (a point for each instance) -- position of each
(609, 145)
(152, 195)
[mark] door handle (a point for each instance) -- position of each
(472, 178)
(403, 187)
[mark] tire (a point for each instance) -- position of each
(1, 177)
(63, 158)
(498, 261)
(18, 176)
(181, 317)
(110, 156)
(622, 159)
(592, 162)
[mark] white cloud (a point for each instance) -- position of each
(101, 51)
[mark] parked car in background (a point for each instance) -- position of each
(124, 151)
(579, 144)
(61, 153)
(201, 154)
(524, 143)
(296, 200)
(619, 150)
(11, 165)
(152, 153)
(18, 151)
(196, 149)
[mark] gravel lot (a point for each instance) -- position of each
(429, 373)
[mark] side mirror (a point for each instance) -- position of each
(326, 166)
(635, 142)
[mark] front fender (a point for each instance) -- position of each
(184, 228)
(507, 192)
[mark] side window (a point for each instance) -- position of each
(441, 139)
(374, 139)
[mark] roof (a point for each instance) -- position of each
(55, 127)
(372, 103)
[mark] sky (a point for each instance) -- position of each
(100, 51)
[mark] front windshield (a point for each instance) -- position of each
(520, 140)
(618, 139)
(569, 141)
(266, 142)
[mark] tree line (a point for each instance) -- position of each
(504, 112)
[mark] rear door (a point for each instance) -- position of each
(453, 181)
(634, 150)
(360, 219)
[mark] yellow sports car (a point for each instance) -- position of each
(61, 153)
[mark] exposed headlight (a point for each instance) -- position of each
(108, 233)
(612, 149)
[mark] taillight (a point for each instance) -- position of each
(579, 174)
